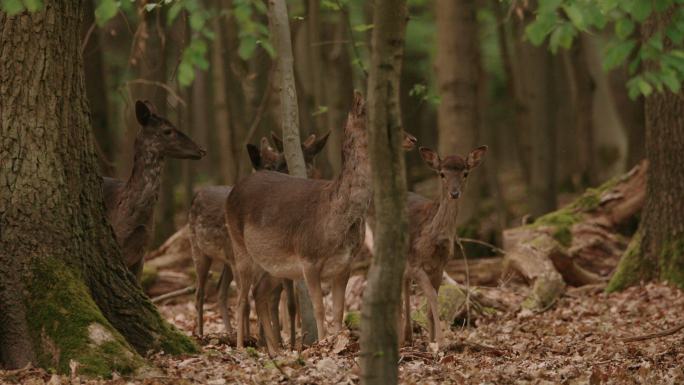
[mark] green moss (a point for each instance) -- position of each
(67, 325)
(632, 268)
(545, 292)
(353, 320)
(149, 277)
(672, 262)
(175, 342)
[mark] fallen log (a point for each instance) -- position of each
(579, 244)
(174, 253)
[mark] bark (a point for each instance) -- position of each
(538, 92)
(62, 280)
(658, 252)
(381, 302)
(339, 89)
(222, 121)
(279, 27)
(457, 67)
(580, 243)
(583, 87)
(631, 115)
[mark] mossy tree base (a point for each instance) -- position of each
(578, 244)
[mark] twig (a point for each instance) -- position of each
(663, 333)
(84, 44)
(168, 89)
(173, 294)
(483, 243)
(260, 110)
(351, 38)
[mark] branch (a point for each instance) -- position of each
(663, 333)
(174, 294)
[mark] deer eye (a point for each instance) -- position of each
(465, 174)
(441, 175)
(168, 132)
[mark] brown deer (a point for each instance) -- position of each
(209, 239)
(295, 228)
(130, 204)
(432, 231)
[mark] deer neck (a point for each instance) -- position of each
(142, 188)
(352, 188)
(443, 224)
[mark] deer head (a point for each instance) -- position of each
(160, 136)
(453, 170)
(310, 148)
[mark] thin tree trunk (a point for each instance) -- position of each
(61, 273)
(222, 122)
(279, 26)
(339, 90)
(631, 114)
(381, 302)
(658, 249)
(457, 79)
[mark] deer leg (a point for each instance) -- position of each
(202, 266)
(339, 287)
(312, 277)
(263, 292)
(291, 310)
(226, 279)
(275, 314)
(430, 294)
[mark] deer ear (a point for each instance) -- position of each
(277, 141)
(309, 141)
(475, 156)
(254, 156)
(268, 155)
(316, 145)
(430, 157)
(142, 112)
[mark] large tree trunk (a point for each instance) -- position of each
(381, 302)
(65, 293)
(658, 250)
(457, 79)
(279, 26)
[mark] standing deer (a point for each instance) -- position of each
(289, 227)
(432, 231)
(209, 239)
(130, 205)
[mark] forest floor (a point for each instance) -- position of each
(577, 341)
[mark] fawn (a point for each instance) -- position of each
(130, 205)
(432, 231)
(209, 239)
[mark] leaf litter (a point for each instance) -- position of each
(578, 341)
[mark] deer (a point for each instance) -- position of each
(287, 227)
(432, 232)
(130, 204)
(209, 240)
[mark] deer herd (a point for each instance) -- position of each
(271, 229)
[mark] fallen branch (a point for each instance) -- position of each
(174, 294)
(664, 333)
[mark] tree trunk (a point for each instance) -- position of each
(222, 122)
(537, 71)
(658, 252)
(65, 293)
(279, 27)
(381, 302)
(631, 114)
(457, 64)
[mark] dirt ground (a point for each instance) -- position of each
(577, 341)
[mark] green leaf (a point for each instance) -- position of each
(644, 87)
(575, 15)
(549, 5)
(105, 11)
(562, 37)
(616, 54)
(320, 110)
(670, 79)
(638, 9)
(330, 5)
(11, 7)
(33, 5)
(151, 6)
(623, 28)
(540, 27)
(197, 21)
(247, 46)
(607, 6)
(661, 5)
(186, 74)
(268, 47)
(173, 12)
(674, 33)
(363, 27)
